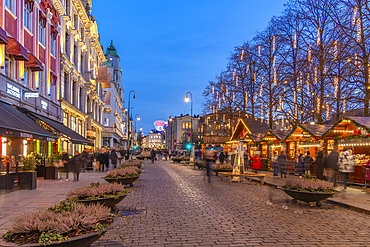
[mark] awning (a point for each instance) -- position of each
(3, 37)
(33, 63)
(74, 137)
(15, 123)
(17, 50)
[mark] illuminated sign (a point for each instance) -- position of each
(31, 95)
(44, 105)
(13, 90)
(160, 125)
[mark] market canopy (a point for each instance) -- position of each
(307, 131)
(62, 130)
(15, 123)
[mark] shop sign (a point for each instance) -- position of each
(44, 105)
(26, 135)
(31, 95)
(13, 90)
(50, 139)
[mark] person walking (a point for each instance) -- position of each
(65, 160)
(331, 165)
(85, 164)
(221, 157)
(159, 155)
(101, 159)
(300, 169)
(275, 166)
(320, 160)
(113, 158)
(283, 164)
(346, 163)
(211, 156)
(307, 161)
(77, 163)
(106, 159)
(152, 155)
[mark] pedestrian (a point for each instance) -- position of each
(85, 164)
(300, 169)
(152, 155)
(283, 164)
(320, 160)
(166, 154)
(77, 163)
(169, 153)
(97, 160)
(159, 155)
(367, 170)
(65, 160)
(113, 158)
(275, 166)
(346, 163)
(307, 161)
(221, 157)
(106, 159)
(331, 165)
(211, 156)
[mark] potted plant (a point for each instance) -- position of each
(28, 175)
(308, 190)
(106, 194)
(51, 169)
(137, 163)
(66, 224)
(223, 168)
(200, 164)
(126, 175)
(176, 159)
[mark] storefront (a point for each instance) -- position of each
(351, 133)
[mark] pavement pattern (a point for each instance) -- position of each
(180, 208)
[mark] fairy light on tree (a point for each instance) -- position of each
(327, 110)
(335, 87)
(354, 16)
(335, 50)
(273, 44)
(358, 29)
(236, 81)
(213, 89)
(242, 55)
(344, 105)
(315, 75)
(295, 41)
(318, 37)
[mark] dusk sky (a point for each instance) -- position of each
(168, 48)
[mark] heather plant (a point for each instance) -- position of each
(310, 185)
(60, 219)
(224, 166)
(123, 173)
(96, 191)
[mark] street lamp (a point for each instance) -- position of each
(128, 123)
(191, 114)
(137, 117)
(172, 143)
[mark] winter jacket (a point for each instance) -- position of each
(320, 160)
(113, 156)
(300, 169)
(283, 163)
(332, 161)
(307, 161)
(346, 162)
(221, 157)
(77, 163)
(152, 153)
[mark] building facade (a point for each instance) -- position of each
(181, 130)
(114, 118)
(29, 65)
(154, 140)
(81, 94)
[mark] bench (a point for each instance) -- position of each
(261, 177)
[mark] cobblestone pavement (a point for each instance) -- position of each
(183, 209)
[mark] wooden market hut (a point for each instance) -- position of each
(303, 138)
(351, 133)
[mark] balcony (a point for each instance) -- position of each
(114, 130)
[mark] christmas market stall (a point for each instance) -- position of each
(302, 139)
(273, 141)
(351, 133)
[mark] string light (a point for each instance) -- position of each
(273, 44)
(210, 107)
(344, 105)
(246, 99)
(358, 29)
(261, 112)
(295, 41)
(327, 110)
(354, 16)
(309, 54)
(335, 87)
(234, 73)
(275, 82)
(318, 104)
(315, 75)
(224, 98)
(247, 69)
(213, 89)
(227, 91)
(318, 36)
(233, 96)
(219, 103)
(241, 57)
(236, 81)
(259, 50)
(308, 83)
(335, 49)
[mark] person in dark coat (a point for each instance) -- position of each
(106, 158)
(300, 169)
(65, 160)
(283, 164)
(101, 160)
(320, 159)
(221, 157)
(307, 161)
(113, 158)
(77, 162)
(332, 165)
(152, 155)
(86, 160)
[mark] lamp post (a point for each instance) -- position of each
(128, 123)
(171, 134)
(191, 115)
(137, 117)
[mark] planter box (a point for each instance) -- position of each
(80, 241)
(18, 181)
(306, 196)
(40, 171)
(109, 202)
(51, 172)
(122, 180)
(28, 180)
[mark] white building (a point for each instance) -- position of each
(179, 131)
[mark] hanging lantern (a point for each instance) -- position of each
(241, 57)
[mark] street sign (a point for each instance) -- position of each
(31, 95)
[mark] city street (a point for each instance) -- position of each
(180, 208)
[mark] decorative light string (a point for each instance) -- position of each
(308, 83)
(236, 80)
(315, 75)
(295, 41)
(241, 57)
(273, 44)
(354, 16)
(318, 36)
(335, 49)
(213, 89)
(358, 29)
(344, 105)
(335, 87)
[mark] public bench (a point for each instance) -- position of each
(261, 177)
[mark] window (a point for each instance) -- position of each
(40, 79)
(67, 46)
(187, 125)
(27, 19)
(209, 128)
(8, 67)
(183, 125)
(65, 85)
(42, 25)
(80, 127)
(52, 47)
(75, 55)
(9, 4)
(73, 93)
(26, 78)
(73, 123)
(106, 122)
(67, 7)
(76, 21)
(65, 121)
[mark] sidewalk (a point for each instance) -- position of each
(48, 192)
(355, 198)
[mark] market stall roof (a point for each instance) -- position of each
(281, 134)
(249, 127)
(317, 130)
(345, 123)
(15, 123)
(61, 129)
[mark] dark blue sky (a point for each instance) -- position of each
(170, 47)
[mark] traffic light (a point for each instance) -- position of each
(135, 147)
(188, 146)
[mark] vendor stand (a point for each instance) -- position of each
(351, 133)
(304, 138)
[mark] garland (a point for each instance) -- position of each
(349, 137)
